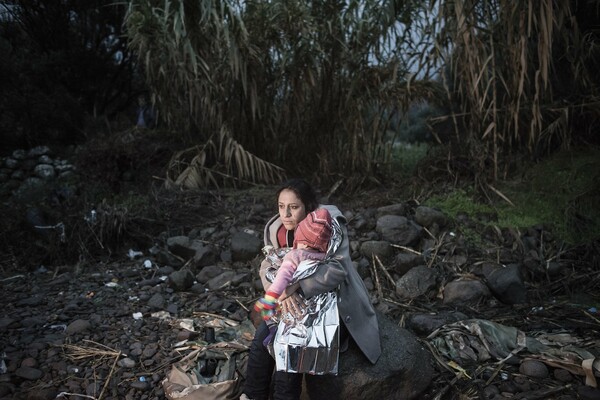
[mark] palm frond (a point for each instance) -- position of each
(220, 164)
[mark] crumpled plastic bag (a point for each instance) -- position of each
(476, 341)
(213, 372)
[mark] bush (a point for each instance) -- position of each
(51, 83)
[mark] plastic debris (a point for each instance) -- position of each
(111, 284)
(209, 334)
(41, 270)
(147, 264)
(91, 217)
(138, 315)
(181, 343)
(208, 367)
(72, 369)
(60, 228)
(187, 324)
(133, 254)
(154, 250)
(3, 368)
(161, 315)
(61, 327)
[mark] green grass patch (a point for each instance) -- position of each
(562, 191)
(405, 157)
(461, 201)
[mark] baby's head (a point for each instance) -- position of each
(315, 230)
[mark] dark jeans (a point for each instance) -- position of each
(260, 367)
(287, 386)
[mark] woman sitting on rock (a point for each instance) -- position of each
(358, 321)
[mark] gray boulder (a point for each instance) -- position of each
(427, 216)
(506, 283)
(156, 302)
(404, 370)
(392, 209)
(403, 262)
(244, 246)
(181, 280)
(180, 246)
(38, 151)
(222, 281)
(208, 272)
(465, 291)
(203, 254)
(45, 171)
(167, 258)
(416, 282)
(195, 250)
(379, 248)
(397, 229)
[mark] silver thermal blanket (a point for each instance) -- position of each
(309, 343)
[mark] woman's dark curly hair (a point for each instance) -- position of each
(303, 190)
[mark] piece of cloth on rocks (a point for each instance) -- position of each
(474, 341)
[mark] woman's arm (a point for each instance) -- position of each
(331, 273)
(327, 277)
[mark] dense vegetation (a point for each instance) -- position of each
(65, 69)
(312, 87)
(251, 91)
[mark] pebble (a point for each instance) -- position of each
(126, 363)
(140, 385)
(562, 375)
(29, 362)
(29, 373)
(491, 392)
(522, 384)
(78, 326)
(149, 351)
(534, 368)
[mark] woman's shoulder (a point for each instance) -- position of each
(273, 221)
(335, 212)
(270, 231)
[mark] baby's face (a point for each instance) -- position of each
(302, 246)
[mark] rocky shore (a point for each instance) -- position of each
(112, 328)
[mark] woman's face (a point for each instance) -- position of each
(291, 209)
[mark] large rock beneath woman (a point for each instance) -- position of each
(404, 370)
